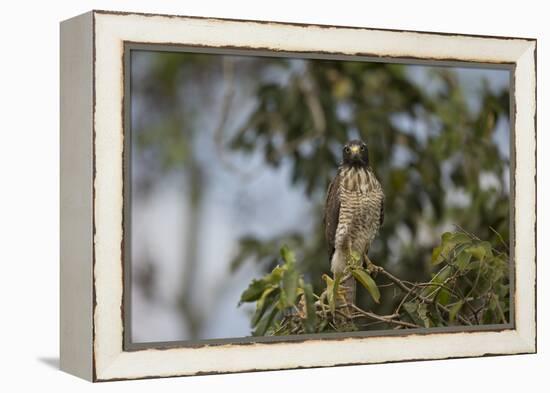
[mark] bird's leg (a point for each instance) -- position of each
(353, 258)
(347, 282)
(371, 267)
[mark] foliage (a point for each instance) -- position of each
(281, 290)
(470, 287)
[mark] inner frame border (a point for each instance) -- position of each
(130, 46)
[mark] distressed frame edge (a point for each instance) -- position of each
(525, 121)
(76, 196)
(304, 24)
(528, 340)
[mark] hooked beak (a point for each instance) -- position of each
(354, 149)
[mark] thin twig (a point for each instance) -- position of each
(500, 238)
(401, 285)
(383, 319)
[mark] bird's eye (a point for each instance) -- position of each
(362, 147)
(347, 150)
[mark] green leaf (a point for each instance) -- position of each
(442, 275)
(474, 265)
(449, 242)
(323, 325)
(330, 292)
(335, 289)
(287, 255)
(290, 286)
(453, 311)
(438, 278)
(463, 261)
(446, 237)
(460, 237)
(257, 287)
(436, 254)
(477, 251)
(265, 322)
(443, 297)
(254, 291)
(355, 258)
(488, 248)
(422, 311)
(263, 304)
(411, 308)
(275, 276)
(366, 280)
(311, 316)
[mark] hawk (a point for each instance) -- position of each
(354, 208)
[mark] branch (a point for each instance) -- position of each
(405, 288)
(388, 319)
(227, 102)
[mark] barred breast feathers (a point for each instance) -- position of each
(359, 179)
(361, 198)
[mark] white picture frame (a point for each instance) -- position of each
(92, 190)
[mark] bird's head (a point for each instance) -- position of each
(355, 153)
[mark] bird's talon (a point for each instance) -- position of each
(371, 267)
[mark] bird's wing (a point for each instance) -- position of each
(382, 213)
(332, 212)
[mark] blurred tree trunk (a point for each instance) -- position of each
(194, 187)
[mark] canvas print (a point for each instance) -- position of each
(278, 196)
